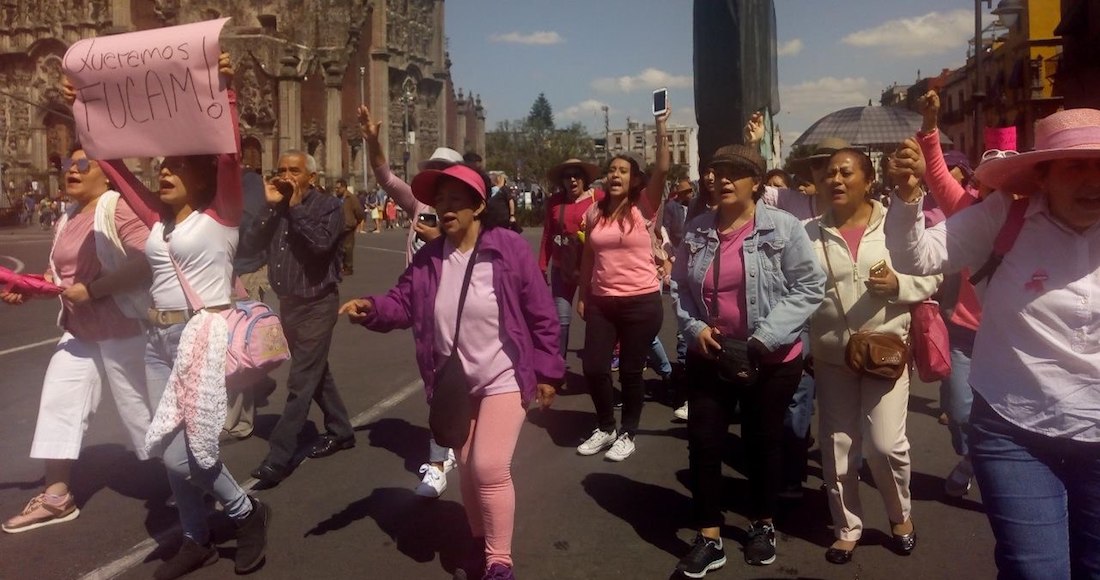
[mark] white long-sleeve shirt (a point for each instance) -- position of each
(1037, 353)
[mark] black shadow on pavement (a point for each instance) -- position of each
(925, 487)
(403, 439)
(421, 528)
(566, 428)
(924, 406)
(115, 467)
(574, 385)
(656, 513)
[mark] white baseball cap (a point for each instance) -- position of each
(442, 158)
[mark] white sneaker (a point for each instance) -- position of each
(681, 413)
(599, 441)
(449, 463)
(434, 482)
(621, 449)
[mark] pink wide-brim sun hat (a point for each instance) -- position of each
(426, 183)
(1068, 134)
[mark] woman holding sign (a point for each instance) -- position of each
(193, 222)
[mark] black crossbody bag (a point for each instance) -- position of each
(734, 362)
(451, 409)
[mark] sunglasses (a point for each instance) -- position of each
(82, 165)
(174, 164)
(685, 192)
(998, 154)
(572, 175)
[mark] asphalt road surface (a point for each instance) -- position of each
(354, 515)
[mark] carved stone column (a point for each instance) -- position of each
(460, 124)
(120, 15)
(334, 143)
(290, 104)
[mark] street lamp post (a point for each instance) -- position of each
(363, 146)
(408, 95)
(979, 84)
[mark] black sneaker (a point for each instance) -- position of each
(760, 549)
(705, 555)
(252, 538)
(189, 558)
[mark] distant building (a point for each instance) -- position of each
(642, 139)
(894, 96)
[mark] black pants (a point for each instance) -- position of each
(347, 253)
(711, 403)
(634, 322)
(308, 324)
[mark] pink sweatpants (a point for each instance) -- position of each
(485, 468)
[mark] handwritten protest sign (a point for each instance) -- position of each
(150, 93)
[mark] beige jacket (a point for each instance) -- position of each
(846, 284)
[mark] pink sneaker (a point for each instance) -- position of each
(40, 512)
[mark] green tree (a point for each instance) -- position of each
(527, 149)
(541, 117)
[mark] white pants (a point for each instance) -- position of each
(857, 410)
(72, 388)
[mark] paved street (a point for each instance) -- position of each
(354, 515)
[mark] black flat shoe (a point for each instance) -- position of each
(838, 556)
(270, 474)
(330, 445)
(905, 543)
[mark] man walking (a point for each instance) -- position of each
(302, 230)
(353, 217)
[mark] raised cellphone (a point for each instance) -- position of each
(429, 219)
(660, 102)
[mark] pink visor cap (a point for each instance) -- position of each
(426, 183)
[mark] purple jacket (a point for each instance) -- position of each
(526, 309)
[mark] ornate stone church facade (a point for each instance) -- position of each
(302, 68)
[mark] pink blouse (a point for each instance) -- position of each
(76, 262)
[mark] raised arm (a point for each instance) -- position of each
(964, 240)
(393, 185)
(949, 194)
(655, 191)
(229, 197)
(146, 204)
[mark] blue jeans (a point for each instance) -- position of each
(1042, 498)
(563, 293)
(188, 481)
(955, 393)
(658, 358)
(796, 428)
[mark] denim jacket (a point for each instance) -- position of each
(785, 284)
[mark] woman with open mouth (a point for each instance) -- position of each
(1035, 373)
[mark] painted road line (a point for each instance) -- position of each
(30, 346)
(137, 554)
(377, 249)
(19, 265)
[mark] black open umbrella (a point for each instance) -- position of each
(871, 127)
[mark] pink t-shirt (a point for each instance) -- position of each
(481, 345)
(74, 256)
(733, 297)
(852, 237)
(623, 252)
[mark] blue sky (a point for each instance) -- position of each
(585, 53)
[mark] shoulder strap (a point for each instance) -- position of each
(1006, 238)
(829, 265)
(465, 287)
(194, 303)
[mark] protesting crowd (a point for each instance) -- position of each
(791, 293)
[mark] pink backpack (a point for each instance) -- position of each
(256, 345)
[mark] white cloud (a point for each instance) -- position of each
(649, 78)
(790, 48)
(827, 94)
(932, 33)
(586, 110)
(541, 37)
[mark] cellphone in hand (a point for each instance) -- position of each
(878, 268)
(429, 219)
(660, 102)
